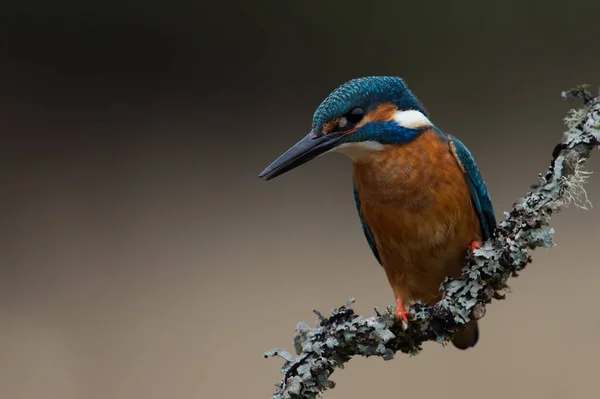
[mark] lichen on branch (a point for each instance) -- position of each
(344, 334)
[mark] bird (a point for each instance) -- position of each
(420, 197)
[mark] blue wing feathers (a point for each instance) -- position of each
(480, 195)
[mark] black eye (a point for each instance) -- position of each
(355, 115)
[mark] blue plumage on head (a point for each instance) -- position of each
(368, 93)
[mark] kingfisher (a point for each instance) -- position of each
(420, 197)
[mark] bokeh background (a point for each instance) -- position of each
(142, 258)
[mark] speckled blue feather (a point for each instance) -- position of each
(368, 93)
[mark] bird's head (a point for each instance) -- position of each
(358, 118)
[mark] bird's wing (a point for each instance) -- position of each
(366, 229)
(480, 195)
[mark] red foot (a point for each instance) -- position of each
(474, 245)
(401, 312)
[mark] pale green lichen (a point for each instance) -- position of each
(574, 117)
(344, 334)
(575, 192)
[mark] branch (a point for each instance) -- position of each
(344, 334)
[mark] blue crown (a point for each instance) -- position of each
(368, 93)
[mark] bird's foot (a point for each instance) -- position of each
(402, 313)
(474, 245)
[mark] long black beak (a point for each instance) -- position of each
(306, 149)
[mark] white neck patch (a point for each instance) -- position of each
(411, 119)
(360, 150)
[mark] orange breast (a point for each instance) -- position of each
(416, 202)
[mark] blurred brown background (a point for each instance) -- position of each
(142, 258)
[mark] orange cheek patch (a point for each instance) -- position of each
(383, 113)
(330, 126)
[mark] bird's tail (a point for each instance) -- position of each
(468, 337)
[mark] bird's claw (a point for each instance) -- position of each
(474, 245)
(402, 314)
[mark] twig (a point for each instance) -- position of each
(344, 334)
